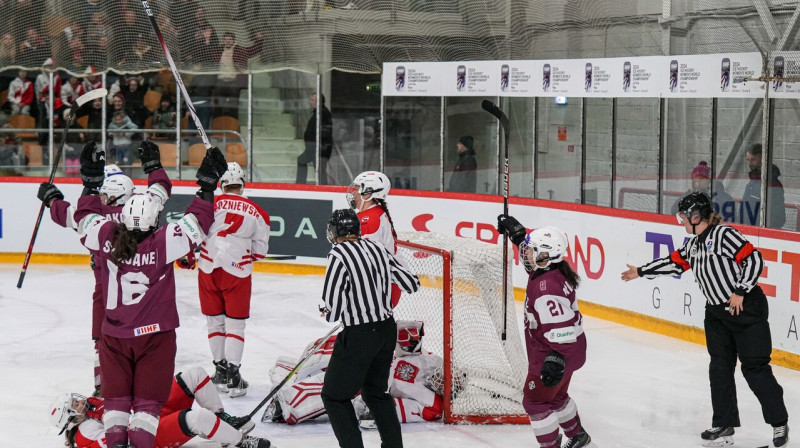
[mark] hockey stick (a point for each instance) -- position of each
(177, 75)
(488, 106)
(279, 257)
(294, 370)
(83, 99)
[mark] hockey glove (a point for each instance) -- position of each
(187, 261)
(150, 155)
(95, 406)
(553, 368)
(212, 168)
(48, 192)
(509, 225)
(93, 161)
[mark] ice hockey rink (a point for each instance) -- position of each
(637, 388)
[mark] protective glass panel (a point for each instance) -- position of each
(558, 150)
(412, 133)
(637, 121)
(599, 122)
(470, 151)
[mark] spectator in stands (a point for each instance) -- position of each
(164, 116)
(117, 105)
(92, 80)
(120, 139)
(464, 178)
(309, 156)
(94, 122)
(33, 49)
(71, 90)
(8, 50)
(9, 152)
(42, 89)
(89, 10)
(182, 11)
(20, 94)
(232, 61)
(724, 205)
(134, 92)
(751, 201)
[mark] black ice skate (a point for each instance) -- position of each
(718, 436)
(780, 436)
(254, 442)
(580, 440)
(236, 385)
(220, 378)
(273, 413)
(243, 424)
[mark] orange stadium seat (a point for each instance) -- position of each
(33, 151)
(196, 154)
(169, 152)
(23, 122)
(235, 152)
(225, 124)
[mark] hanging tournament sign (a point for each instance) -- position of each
(785, 64)
(517, 78)
(411, 79)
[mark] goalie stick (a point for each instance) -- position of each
(83, 99)
(490, 107)
(293, 371)
(176, 75)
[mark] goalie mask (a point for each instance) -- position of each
(372, 183)
(343, 222)
(409, 337)
(546, 245)
(140, 212)
(64, 410)
(117, 188)
(233, 176)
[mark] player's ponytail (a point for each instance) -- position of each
(714, 219)
(382, 204)
(123, 243)
(573, 279)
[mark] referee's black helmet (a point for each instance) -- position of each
(696, 202)
(343, 222)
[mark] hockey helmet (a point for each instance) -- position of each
(343, 222)
(65, 408)
(546, 244)
(372, 183)
(117, 186)
(140, 212)
(693, 203)
(112, 170)
(233, 176)
(409, 337)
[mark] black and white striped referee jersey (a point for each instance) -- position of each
(358, 282)
(722, 259)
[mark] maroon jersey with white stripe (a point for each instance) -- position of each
(238, 237)
(140, 293)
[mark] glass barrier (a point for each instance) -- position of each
(520, 145)
(559, 150)
(783, 189)
(599, 124)
(637, 122)
(412, 133)
(470, 149)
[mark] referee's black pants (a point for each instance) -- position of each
(361, 360)
(748, 336)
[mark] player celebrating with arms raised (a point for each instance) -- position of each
(553, 334)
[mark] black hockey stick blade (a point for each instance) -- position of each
(490, 107)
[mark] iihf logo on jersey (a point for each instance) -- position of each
(531, 385)
(709, 246)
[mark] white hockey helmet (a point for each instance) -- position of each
(409, 337)
(117, 186)
(372, 183)
(544, 240)
(65, 408)
(140, 212)
(233, 176)
(111, 170)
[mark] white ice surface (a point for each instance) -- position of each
(637, 389)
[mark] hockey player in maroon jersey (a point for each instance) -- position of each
(238, 237)
(137, 350)
(554, 335)
(115, 190)
(367, 196)
(415, 382)
(81, 418)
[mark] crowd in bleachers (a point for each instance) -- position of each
(71, 47)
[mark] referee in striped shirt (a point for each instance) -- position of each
(358, 292)
(727, 268)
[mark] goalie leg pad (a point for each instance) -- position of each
(282, 367)
(234, 340)
(302, 400)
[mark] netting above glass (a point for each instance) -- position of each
(214, 36)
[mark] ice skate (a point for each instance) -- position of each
(243, 424)
(780, 436)
(237, 386)
(273, 413)
(220, 378)
(254, 442)
(580, 440)
(718, 436)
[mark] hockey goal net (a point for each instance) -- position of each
(461, 304)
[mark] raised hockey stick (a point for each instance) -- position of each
(176, 75)
(293, 371)
(83, 99)
(490, 107)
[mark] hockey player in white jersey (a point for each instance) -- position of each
(238, 237)
(414, 382)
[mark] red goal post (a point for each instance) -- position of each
(460, 303)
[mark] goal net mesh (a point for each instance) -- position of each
(486, 373)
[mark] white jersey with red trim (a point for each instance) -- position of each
(375, 226)
(411, 375)
(238, 237)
